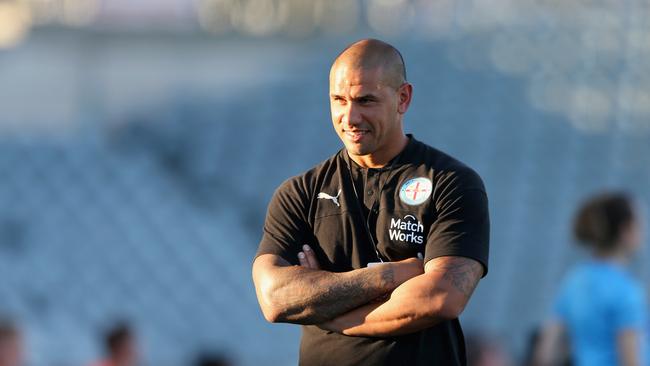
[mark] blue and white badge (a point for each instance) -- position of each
(415, 191)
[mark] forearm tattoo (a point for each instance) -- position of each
(462, 273)
(388, 276)
(324, 298)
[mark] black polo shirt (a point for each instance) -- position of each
(424, 201)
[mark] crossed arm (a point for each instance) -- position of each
(353, 303)
(307, 295)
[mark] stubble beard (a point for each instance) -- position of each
(359, 150)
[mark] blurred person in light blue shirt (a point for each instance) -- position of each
(600, 305)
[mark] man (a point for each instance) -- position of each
(11, 344)
(343, 243)
(120, 347)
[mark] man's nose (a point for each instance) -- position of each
(351, 115)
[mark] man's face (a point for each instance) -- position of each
(366, 113)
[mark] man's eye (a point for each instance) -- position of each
(365, 100)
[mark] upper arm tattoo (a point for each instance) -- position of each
(462, 273)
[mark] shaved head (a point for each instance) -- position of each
(369, 95)
(371, 54)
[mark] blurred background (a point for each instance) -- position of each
(140, 143)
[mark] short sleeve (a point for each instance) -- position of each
(462, 224)
(286, 226)
(630, 310)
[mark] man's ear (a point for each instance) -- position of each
(404, 95)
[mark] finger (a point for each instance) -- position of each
(303, 260)
(311, 257)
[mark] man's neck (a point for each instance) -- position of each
(380, 159)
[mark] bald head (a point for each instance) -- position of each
(373, 54)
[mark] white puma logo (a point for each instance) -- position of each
(326, 196)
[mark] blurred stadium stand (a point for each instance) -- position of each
(136, 166)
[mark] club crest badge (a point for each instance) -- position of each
(415, 191)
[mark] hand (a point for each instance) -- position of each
(307, 258)
(408, 268)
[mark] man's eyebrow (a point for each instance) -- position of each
(366, 96)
